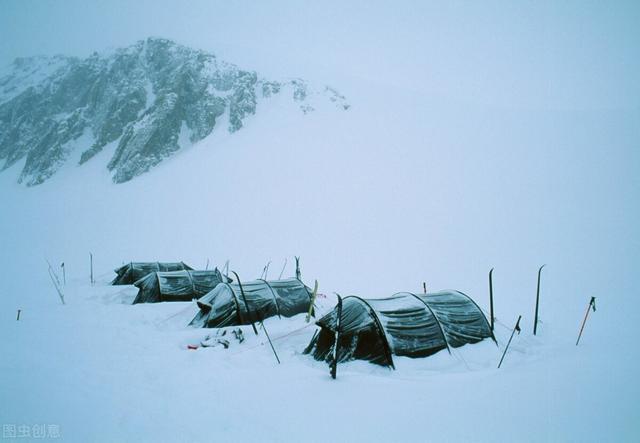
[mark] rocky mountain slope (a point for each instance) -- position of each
(150, 100)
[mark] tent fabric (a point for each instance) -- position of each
(132, 272)
(404, 324)
(243, 302)
(177, 285)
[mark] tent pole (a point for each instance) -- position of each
(535, 321)
(246, 305)
(491, 296)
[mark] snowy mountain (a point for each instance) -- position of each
(150, 100)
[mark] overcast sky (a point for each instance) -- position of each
(567, 55)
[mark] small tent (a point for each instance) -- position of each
(132, 272)
(176, 285)
(404, 324)
(242, 303)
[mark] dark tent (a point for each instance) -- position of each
(243, 302)
(404, 324)
(176, 285)
(132, 272)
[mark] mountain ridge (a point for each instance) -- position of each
(151, 98)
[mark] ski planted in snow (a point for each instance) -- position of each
(334, 362)
(313, 300)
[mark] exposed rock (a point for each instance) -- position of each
(146, 98)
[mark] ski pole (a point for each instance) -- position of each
(517, 328)
(592, 305)
(269, 338)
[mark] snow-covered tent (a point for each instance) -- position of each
(176, 285)
(132, 272)
(404, 324)
(244, 302)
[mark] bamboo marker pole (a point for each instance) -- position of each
(56, 282)
(266, 269)
(18, 317)
(424, 287)
(64, 275)
(91, 266)
(283, 268)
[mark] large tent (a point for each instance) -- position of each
(404, 324)
(132, 272)
(177, 285)
(242, 303)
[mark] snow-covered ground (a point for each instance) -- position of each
(103, 370)
(403, 188)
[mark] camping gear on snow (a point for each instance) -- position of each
(177, 285)
(244, 303)
(404, 324)
(132, 272)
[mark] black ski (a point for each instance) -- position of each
(334, 363)
(535, 320)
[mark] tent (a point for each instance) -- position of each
(132, 272)
(404, 324)
(176, 285)
(242, 303)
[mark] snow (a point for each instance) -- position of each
(372, 209)
(105, 370)
(420, 180)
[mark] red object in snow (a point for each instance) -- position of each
(192, 347)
